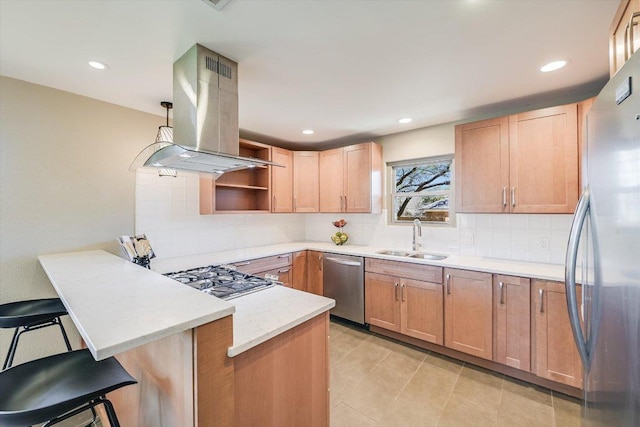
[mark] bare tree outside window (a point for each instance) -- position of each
(422, 190)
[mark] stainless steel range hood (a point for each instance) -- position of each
(205, 118)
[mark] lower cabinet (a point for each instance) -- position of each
(276, 266)
(405, 305)
(468, 312)
(315, 274)
(305, 273)
(556, 356)
(512, 321)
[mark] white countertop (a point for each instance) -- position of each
(265, 314)
(489, 265)
(117, 305)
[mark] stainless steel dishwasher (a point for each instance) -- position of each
(344, 282)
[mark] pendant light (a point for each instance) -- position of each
(165, 134)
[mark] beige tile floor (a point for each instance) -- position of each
(376, 381)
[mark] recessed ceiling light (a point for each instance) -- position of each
(308, 132)
(98, 65)
(405, 120)
(552, 66)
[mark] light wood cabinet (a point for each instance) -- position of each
(468, 312)
(624, 35)
(351, 179)
(482, 166)
(305, 181)
(299, 270)
(243, 190)
(512, 321)
(276, 266)
(523, 163)
(315, 274)
(282, 180)
(556, 356)
(543, 160)
(405, 305)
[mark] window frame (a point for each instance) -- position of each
(392, 194)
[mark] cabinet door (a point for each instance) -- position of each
(283, 275)
(357, 178)
(557, 357)
(421, 310)
(305, 181)
(512, 321)
(543, 161)
(624, 38)
(482, 166)
(315, 274)
(468, 308)
(382, 301)
(282, 180)
(299, 271)
(331, 181)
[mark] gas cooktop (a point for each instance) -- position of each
(222, 281)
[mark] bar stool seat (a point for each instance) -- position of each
(48, 389)
(31, 315)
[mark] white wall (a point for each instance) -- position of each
(64, 186)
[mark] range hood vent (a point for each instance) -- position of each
(205, 118)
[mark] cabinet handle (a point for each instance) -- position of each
(541, 292)
(341, 208)
(284, 271)
(283, 256)
(239, 264)
(345, 203)
(395, 291)
(295, 204)
(274, 203)
(504, 197)
(513, 197)
(501, 292)
(402, 290)
(631, 41)
(448, 283)
(320, 262)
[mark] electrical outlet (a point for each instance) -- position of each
(466, 239)
(543, 243)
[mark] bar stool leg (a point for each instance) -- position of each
(12, 350)
(64, 333)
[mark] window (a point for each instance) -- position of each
(422, 189)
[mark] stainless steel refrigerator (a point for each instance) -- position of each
(604, 255)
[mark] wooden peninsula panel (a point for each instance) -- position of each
(285, 381)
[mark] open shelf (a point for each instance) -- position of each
(247, 190)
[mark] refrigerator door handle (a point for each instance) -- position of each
(570, 275)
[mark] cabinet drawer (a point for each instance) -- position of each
(258, 265)
(408, 270)
(283, 275)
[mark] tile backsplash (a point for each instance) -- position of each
(167, 210)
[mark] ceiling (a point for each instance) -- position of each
(346, 68)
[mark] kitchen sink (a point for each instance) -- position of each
(433, 257)
(393, 253)
(420, 255)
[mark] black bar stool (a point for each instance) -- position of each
(55, 388)
(28, 316)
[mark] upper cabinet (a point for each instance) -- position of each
(523, 163)
(305, 181)
(246, 190)
(282, 180)
(624, 36)
(351, 179)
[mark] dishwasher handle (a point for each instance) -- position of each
(343, 262)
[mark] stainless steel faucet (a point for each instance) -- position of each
(417, 225)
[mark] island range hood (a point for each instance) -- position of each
(205, 118)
